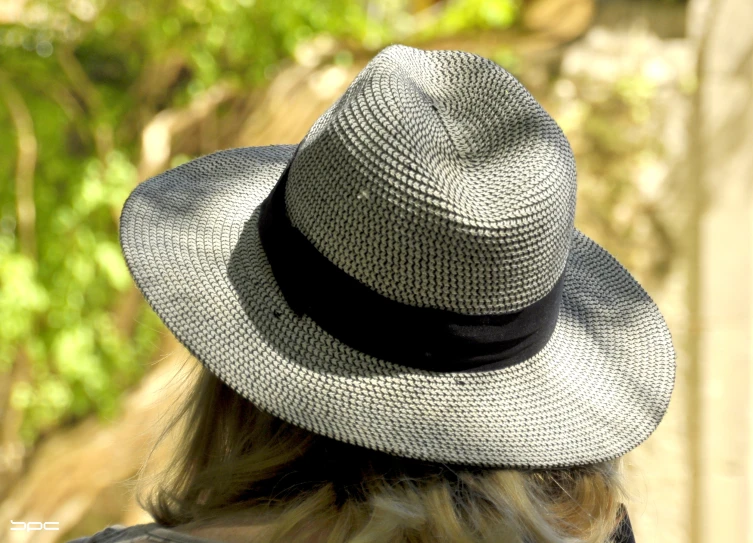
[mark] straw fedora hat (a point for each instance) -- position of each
(408, 278)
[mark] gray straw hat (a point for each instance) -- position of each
(408, 278)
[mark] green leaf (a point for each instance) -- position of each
(110, 260)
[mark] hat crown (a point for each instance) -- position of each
(437, 180)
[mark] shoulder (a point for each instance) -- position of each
(118, 533)
(624, 531)
(152, 532)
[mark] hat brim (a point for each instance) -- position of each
(597, 390)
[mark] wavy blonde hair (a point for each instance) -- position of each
(232, 457)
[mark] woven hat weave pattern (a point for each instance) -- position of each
(492, 187)
(437, 181)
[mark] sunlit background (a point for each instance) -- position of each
(655, 96)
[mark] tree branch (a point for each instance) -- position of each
(25, 165)
(156, 138)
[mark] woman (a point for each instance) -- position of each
(402, 336)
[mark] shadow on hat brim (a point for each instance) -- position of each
(597, 390)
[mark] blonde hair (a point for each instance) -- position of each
(232, 457)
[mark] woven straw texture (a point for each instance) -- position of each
(436, 180)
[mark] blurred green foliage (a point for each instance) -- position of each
(92, 74)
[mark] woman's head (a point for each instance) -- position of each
(231, 457)
(409, 278)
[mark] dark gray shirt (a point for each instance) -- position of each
(154, 533)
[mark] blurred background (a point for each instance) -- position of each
(656, 97)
